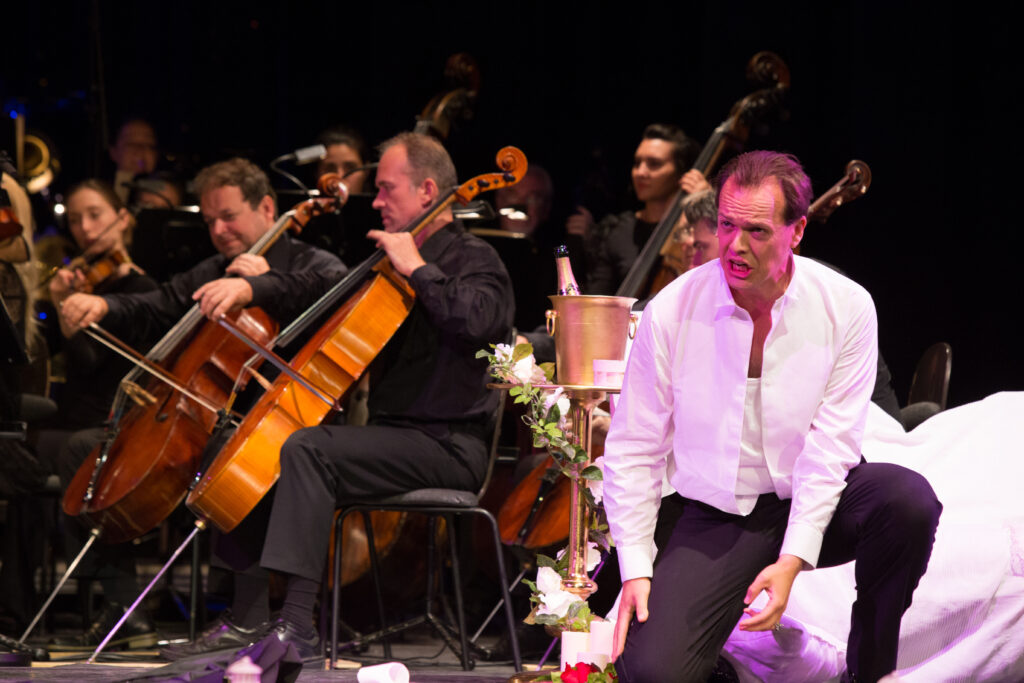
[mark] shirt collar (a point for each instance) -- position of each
(725, 300)
(437, 243)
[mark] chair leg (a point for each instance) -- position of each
(510, 618)
(336, 590)
(375, 570)
(457, 587)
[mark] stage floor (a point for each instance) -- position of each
(425, 656)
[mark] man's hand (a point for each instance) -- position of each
(247, 265)
(400, 248)
(219, 297)
(81, 310)
(777, 579)
(580, 223)
(635, 593)
(693, 181)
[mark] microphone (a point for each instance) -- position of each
(303, 155)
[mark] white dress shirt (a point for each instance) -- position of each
(681, 410)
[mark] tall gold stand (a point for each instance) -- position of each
(582, 401)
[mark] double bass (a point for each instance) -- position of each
(138, 475)
(651, 271)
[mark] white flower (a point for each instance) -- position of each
(553, 397)
(502, 353)
(554, 600)
(523, 370)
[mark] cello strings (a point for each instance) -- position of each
(142, 363)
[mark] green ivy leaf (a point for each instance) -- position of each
(549, 371)
(545, 561)
(592, 473)
(545, 619)
(521, 351)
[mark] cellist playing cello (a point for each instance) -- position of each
(429, 407)
(237, 203)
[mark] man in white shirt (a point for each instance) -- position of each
(748, 387)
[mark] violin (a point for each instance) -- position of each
(650, 272)
(139, 475)
(95, 270)
(9, 225)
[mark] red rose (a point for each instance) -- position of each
(578, 673)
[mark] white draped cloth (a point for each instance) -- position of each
(966, 622)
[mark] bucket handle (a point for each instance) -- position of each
(549, 321)
(634, 321)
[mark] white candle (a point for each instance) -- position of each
(573, 643)
(602, 633)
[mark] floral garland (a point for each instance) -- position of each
(546, 416)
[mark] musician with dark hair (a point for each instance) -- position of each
(661, 165)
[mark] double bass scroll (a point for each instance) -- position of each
(851, 186)
(649, 273)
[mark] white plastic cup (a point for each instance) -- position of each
(389, 672)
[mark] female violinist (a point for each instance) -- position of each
(98, 222)
(659, 170)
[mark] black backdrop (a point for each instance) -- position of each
(926, 96)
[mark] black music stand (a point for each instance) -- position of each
(169, 241)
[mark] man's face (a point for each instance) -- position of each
(705, 243)
(341, 159)
(754, 243)
(655, 175)
(135, 150)
(521, 207)
(398, 199)
(234, 225)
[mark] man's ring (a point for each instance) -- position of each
(777, 626)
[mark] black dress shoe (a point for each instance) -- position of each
(222, 634)
(307, 646)
(137, 632)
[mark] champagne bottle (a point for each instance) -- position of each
(566, 282)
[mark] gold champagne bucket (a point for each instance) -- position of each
(588, 328)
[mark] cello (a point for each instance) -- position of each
(135, 479)
(371, 303)
(650, 272)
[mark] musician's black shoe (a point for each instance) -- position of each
(308, 645)
(137, 632)
(222, 634)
